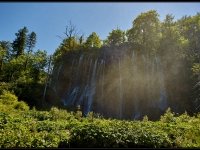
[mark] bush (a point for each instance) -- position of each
(5, 87)
(168, 116)
(39, 115)
(118, 134)
(21, 106)
(8, 98)
(28, 133)
(58, 128)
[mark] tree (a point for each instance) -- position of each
(172, 44)
(190, 28)
(71, 42)
(172, 53)
(145, 32)
(93, 41)
(19, 44)
(2, 55)
(5, 57)
(39, 64)
(7, 47)
(47, 78)
(71, 36)
(116, 37)
(31, 41)
(81, 39)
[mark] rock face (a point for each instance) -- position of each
(117, 83)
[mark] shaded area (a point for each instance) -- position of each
(120, 83)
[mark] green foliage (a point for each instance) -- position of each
(67, 45)
(172, 44)
(21, 106)
(93, 41)
(145, 118)
(39, 115)
(118, 134)
(2, 56)
(8, 98)
(145, 35)
(22, 70)
(31, 41)
(196, 68)
(168, 116)
(59, 128)
(19, 43)
(57, 114)
(5, 87)
(183, 130)
(116, 38)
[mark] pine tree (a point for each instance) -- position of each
(19, 44)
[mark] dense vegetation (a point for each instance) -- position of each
(26, 76)
(30, 128)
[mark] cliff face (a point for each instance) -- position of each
(119, 83)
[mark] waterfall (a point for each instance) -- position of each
(102, 84)
(163, 95)
(153, 67)
(59, 70)
(133, 62)
(133, 56)
(67, 94)
(162, 103)
(120, 92)
(136, 113)
(78, 69)
(71, 95)
(92, 89)
(153, 79)
(57, 77)
(157, 63)
(84, 94)
(72, 68)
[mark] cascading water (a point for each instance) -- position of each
(162, 103)
(102, 89)
(136, 114)
(120, 92)
(91, 89)
(120, 86)
(71, 96)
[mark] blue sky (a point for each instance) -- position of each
(48, 20)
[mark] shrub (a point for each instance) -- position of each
(5, 87)
(8, 98)
(59, 114)
(168, 116)
(58, 128)
(118, 134)
(40, 115)
(21, 106)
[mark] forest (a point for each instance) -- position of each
(136, 88)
